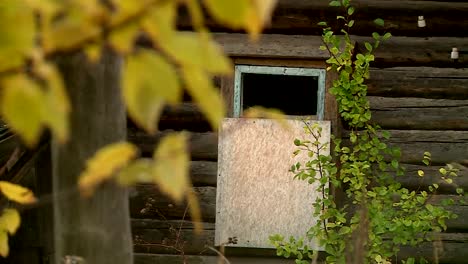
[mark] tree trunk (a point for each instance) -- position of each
(95, 230)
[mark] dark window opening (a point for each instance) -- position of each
(294, 95)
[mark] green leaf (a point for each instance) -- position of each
(368, 46)
(351, 23)
(376, 35)
(18, 92)
(421, 173)
(149, 83)
(350, 10)
(206, 96)
(335, 3)
(443, 171)
(172, 165)
(379, 22)
(387, 36)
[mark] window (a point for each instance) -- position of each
(256, 194)
(295, 91)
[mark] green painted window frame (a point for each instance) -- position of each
(277, 70)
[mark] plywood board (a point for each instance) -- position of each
(257, 195)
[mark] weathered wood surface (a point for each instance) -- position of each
(96, 229)
(423, 82)
(302, 16)
(148, 202)
(397, 51)
(195, 259)
(203, 146)
(171, 237)
(153, 236)
(412, 181)
(419, 113)
(445, 146)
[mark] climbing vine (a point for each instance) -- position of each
(378, 215)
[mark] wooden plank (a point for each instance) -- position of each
(227, 91)
(171, 237)
(203, 146)
(174, 259)
(419, 113)
(272, 46)
(203, 173)
(397, 51)
(98, 228)
(302, 16)
(419, 82)
(412, 181)
(445, 146)
(148, 202)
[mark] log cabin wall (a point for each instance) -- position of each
(416, 91)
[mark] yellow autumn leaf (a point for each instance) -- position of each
(230, 13)
(16, 33)
(21, 107)
(196, 50)
(56, 106)
(93, 52)
(160, 22)
(269, 113)
(104, 164)
(149, 83)
(138, 171)
(259, 16)
(10, 220)
(195, 211)
(123, 38)
(80, 23)
(125, 9)
(4, 249)
(17, 193)
(206, 96)
(171, 166)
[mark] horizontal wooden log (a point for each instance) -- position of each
(141, 258)
(203, 173)
(412, 181)
(444, 146)
(171, 237)
(419, 113)
(272, 46)
(148, 202)
(203, 146)
(397, 51)
(438, 83)
(302, 16)
(451, 243)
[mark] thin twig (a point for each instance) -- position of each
(219, 254)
